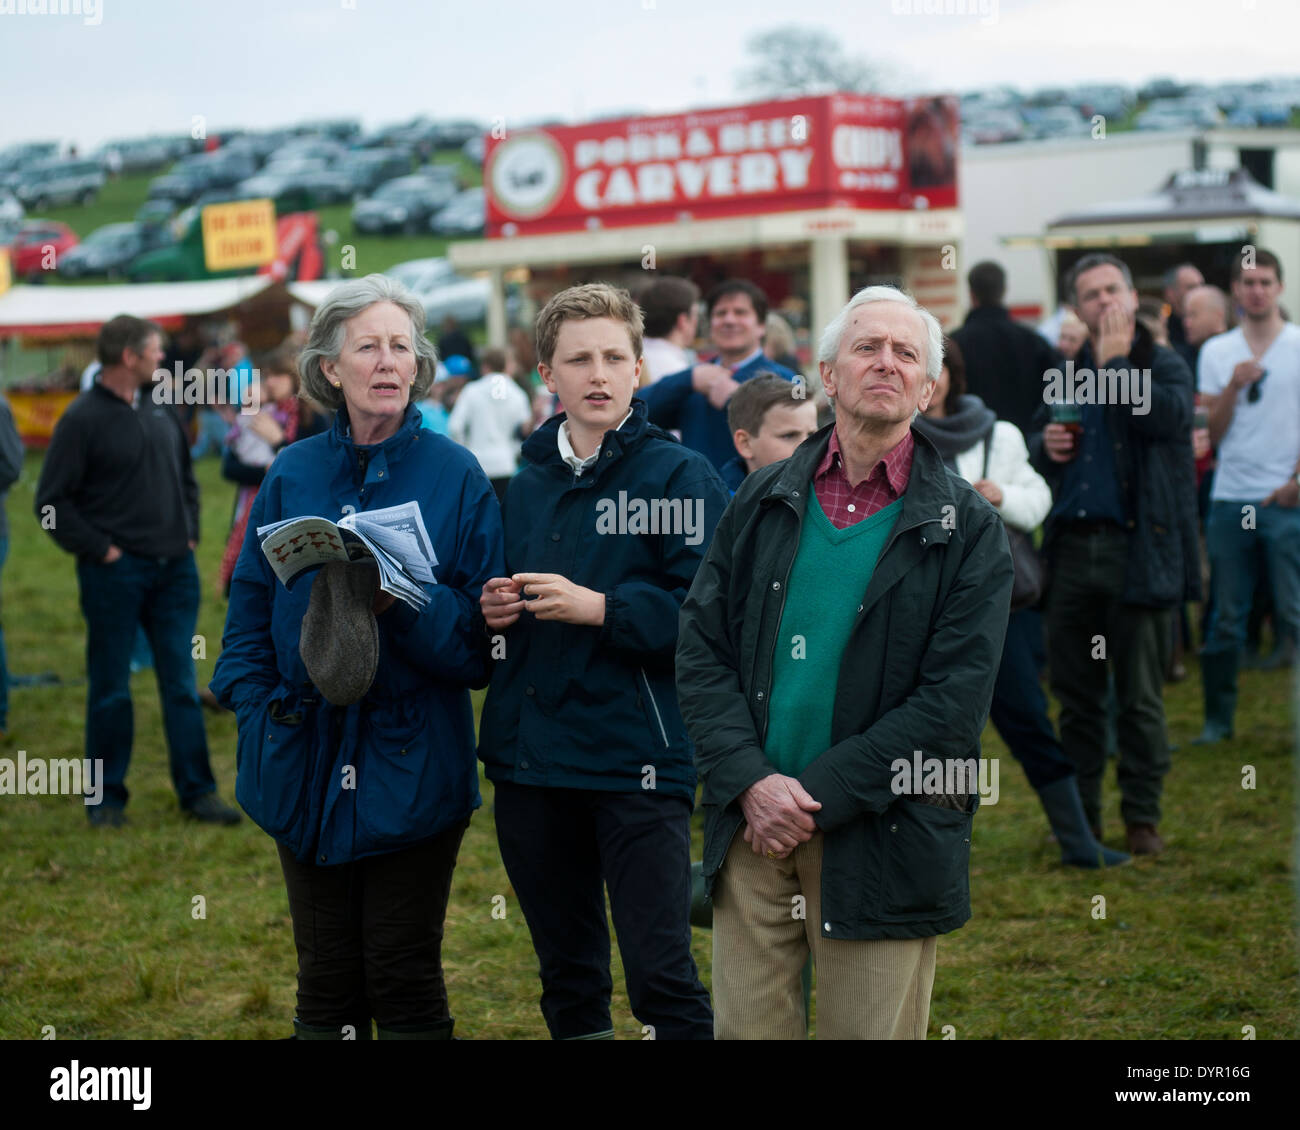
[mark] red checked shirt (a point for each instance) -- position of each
(846, 505)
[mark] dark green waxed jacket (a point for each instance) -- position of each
(916, 674)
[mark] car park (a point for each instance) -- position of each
(56, 183)
(401, 205)
(107, 252)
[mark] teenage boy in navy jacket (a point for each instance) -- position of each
(581, 735)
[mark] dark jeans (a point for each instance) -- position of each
(1019, 709)
(162, 596)
(1234, 557)
(1086, 601)
(369, 935)
(560, 848)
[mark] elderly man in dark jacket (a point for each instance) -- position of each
(836, 661)
(1120, 540)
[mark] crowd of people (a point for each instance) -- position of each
(829, 570)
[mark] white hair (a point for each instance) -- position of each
(828, 347)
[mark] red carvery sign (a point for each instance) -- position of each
(837, 150)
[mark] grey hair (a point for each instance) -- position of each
(328, 330)
(828, 347)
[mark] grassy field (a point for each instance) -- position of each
(101, 940)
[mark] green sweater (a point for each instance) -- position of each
(828, 579)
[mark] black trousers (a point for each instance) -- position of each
(369, 935)
(561, 847)
(1084, 606)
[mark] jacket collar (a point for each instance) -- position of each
(988, 314)
(929, 489)
(390, 450)
(543, 446)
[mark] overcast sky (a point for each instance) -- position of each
(149, 66)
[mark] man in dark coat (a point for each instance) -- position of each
(1120, 541)
(835, 666)
(1005, 361)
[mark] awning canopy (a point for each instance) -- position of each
(1193, 194)
(71, 311)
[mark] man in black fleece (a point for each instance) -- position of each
(118, 491)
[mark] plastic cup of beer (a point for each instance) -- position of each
(1070, 416)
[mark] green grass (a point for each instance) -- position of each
(101, 941)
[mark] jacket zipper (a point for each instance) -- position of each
(785, 588)
(655, 706)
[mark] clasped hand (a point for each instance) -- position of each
(777, 815)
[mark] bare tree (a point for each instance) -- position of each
(795, 60)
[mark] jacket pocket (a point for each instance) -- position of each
(410, 785)
(927, 859)
(273, 757)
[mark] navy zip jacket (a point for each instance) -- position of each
(673, 403)
(410, 740)
(573, 706)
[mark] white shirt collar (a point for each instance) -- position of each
(566, 448)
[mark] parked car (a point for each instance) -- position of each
(466, 215)
(11, 210)
(443, 292)
(317, 185)
(58, 183)
(1060, 121)
(155, 211)
(422, 276)
(475, 149)
(401, 205)
(319, 148)
(194, 175)
(108, 251)
(15, 159)
(37, 248)
(993, 127)
(369, 168)
(442, 174)
(133, 156)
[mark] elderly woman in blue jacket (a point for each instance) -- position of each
(367, 802)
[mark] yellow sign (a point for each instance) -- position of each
(236, 235)
(6, 279)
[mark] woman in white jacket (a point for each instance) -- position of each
(969, 438)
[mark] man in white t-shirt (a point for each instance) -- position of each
(1253, 374)
(491, 417)
(670, 307)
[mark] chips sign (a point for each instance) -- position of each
(240, 234)
(832, 151)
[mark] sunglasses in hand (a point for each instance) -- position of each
(1252, 393)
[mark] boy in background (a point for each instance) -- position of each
(606, 524)
(768, 420)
